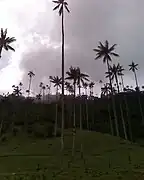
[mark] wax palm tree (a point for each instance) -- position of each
(43, 89)
(85, 86)
(16, 91)
(57, 81)
(5, 42)
(41, 85)
(81, 78)
(133, 68)
(114, 72)
(61, 5)
(91, 86)
(105, 90)
(121, 74)
(105, 52)
(72, 75)
(48, 89)
(31, 75)
(38, 96)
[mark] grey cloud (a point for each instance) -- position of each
(89, 22)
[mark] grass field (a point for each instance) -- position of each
(105, 158)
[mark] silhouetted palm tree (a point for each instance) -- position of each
(72, 76)
(91, 86)
(57, 81)
(85, 86)
(41, 85)
(30, 74)
(121, 69)
(114, 72)
(6, 41)
(48, 91)
(61, 5)
(81, 78)
(105, 90)
(38, 96)
(105, 52)
(16, 90)
(43, 88)
(133, 68)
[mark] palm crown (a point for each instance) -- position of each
(60, 4)
(57, 81)
(6, 41)
(31, 74)
(114, 71)
(105, 52)
(133, 67)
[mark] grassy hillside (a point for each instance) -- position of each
(105, 158)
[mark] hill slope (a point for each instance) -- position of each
(105, 157)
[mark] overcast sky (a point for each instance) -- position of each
(37, 30)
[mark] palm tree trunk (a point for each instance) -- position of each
(136, 79)
(56, 117)
(123, 122)
(128, 118)
(29, 86)
(113, 103)
(117, 83)
(74, 123)
(0, 51)
(62, 126)
(110, 119)
(122, 82)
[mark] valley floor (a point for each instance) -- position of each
(105, 158)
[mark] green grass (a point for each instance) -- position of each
(105, 158)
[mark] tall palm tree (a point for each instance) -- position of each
(105, 90)
(57, 81)
(43, 88)
(5, 42)
(114, 72)
(133, 68)
(121, 69)
(81, 78)
(85, 86)
(72, 75)
(48, 89)
(41, 85)
(31, 75)
(105, 52)
(61, 5)
(91, 86)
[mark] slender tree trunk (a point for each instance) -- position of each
(29, 86)
(113, 103)
(136, 79)
(122, 82)
(74, 122)
(123, 122)
(117, 83)
(62, 126)
(56, 117)
(110, 119)
(128, 118)
(0, 51)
